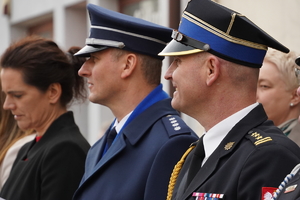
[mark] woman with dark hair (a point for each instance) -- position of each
(40, 81)
(12, 138)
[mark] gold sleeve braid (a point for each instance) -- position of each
(176, 171)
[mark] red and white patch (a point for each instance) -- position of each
(267, 193)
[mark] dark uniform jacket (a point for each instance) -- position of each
(254, 155)
(290, 187)
(139, 164)
(50, 169)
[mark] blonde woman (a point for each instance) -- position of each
(277, 91)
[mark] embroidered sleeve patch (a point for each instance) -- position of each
(267, 193)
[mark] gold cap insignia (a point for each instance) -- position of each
(229, 145)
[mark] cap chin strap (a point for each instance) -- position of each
(179, 37)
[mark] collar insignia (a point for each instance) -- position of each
(229, 145)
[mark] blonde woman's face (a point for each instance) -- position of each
(272, 93)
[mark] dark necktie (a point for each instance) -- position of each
(111, 136)
(196, 163)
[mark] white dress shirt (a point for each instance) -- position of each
(119, 125)
(217, 133)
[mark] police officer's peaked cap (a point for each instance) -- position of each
(209, 26)
(113, 29)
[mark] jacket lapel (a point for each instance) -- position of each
(95, 154)
(114, 150)
(132, 133)
(256, 117)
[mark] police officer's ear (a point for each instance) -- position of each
(130, 63)
(212, 65)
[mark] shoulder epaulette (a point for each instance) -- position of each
(258, 137)
(175, 125)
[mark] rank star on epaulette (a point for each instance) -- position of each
(229, 145)
(174, 123)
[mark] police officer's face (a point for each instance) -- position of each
(186, 73)
(102, 73)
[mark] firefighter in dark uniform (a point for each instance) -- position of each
(242, 155)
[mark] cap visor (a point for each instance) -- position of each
(175, 48)
(87, 50)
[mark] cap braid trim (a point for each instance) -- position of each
(129, 33)
(220, 33)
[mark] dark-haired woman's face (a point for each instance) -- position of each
(30, 106)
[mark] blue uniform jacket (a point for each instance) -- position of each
(139, 164)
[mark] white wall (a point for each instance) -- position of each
(4, 33)
(280, 18)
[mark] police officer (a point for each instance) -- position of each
(135, 157)
(242, 156)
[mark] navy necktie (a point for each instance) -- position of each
(111, 136)
(196, 163)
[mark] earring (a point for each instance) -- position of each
(291, 104)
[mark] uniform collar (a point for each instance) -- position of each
(217, 133)
(119, 125)
(153, 97)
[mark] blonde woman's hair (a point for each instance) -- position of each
(285, 63)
